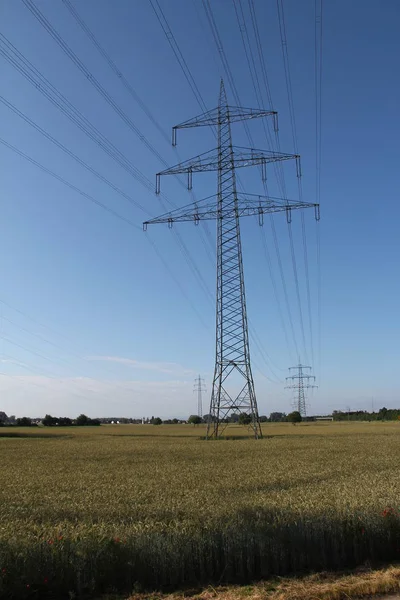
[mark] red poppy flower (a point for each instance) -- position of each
(4, 570)
(45, 580)
(117, 540)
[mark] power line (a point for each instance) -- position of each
(162, 20)
(123, 79)
(35, 351)
(176, 280)
(114, 385)
(318, 94)
(116, 70)
(289, 90)
(278, 167)
(91, 78)
(187, 257)
(37, 79)
(319, 298)
(264, 355)
(57, 333)
(297, 286)
(15, 361)
(294, 134)
(67, 183)
(33, 75)
(318, 8)
(275, 290)
(308, 292)
(285, 54)
(285, 292)
(178, 54)
(78, 63)
(100, 204)
(218, 41)
(41, 370)
(72, 155)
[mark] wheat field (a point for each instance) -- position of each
(132, 507)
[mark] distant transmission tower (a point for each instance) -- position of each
(199, 387)
(233, 386)
(299, 386)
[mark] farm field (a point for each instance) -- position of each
(136, 507)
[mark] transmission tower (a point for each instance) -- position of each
(299, 386)
(199, 387)
(233, 386)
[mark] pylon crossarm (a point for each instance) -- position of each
(211, 118)
(201, 162)
(242, 157)
(247, 205)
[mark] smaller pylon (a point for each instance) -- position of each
(199, 387)
(299, 386)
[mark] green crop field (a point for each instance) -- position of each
(87, 510)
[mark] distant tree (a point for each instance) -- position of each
(194, 420)
(82, 420)
(277, 417)
(24, 422)
(3, 417)
(382, 413)
(244, 419)
(156, 421)
(207, 418)
(65, 422)
(263, 419)
(294, 417)
(49, 421)
(175, 421)
(234, 418)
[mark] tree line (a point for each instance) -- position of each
(384, 414)
(48, 421)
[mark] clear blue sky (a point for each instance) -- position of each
(90, 318)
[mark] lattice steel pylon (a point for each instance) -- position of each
(299, 386)
(199, 388)
(233, 386)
